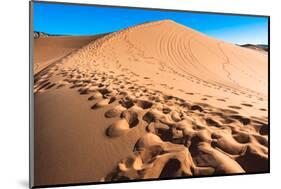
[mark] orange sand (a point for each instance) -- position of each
(155, 100)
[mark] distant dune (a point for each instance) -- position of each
(256, 47)
(155, 100)
(37, 35)
(49, 49)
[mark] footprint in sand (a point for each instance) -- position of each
(228, 111)
(248, 105)
(129, 119)
(101, 103)
(209, 96)
(116, 111)
(95, 95)
(243, 120)
(220, 99)
(144, 104)
(235, 107)
(126, 102)
(264, 129)
(118, 128)
(197, 108)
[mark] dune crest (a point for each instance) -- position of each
(179, 49)
(155, 100)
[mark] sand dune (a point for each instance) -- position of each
(260, 48)
(155, 100)
(49, 49)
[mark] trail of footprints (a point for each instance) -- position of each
(183, 138)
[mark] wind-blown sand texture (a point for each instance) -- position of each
(157, 100)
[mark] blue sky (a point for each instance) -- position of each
(91, 20)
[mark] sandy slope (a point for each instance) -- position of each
(154, 100)
(48, 50)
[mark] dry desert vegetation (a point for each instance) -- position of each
(156, 100)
